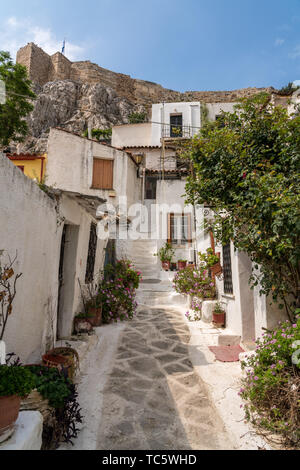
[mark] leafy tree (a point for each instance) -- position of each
(17, 106)
(99, 134)
(137, 118)
(288, 90)
(248, 171)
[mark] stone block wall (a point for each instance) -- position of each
(43, 68)
(61, 67)
(37, 62)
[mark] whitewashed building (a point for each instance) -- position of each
(164, 178)
(54, 234)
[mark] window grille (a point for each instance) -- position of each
(90, 266)
(227, 270)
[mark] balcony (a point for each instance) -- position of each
(171, 132)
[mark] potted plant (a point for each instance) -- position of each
(58, 361)
(72, 362)
(16, 382)
(211, 261)
(173, 267)
(219, 316)
(182, 264)
(92, 306)
(165, 255)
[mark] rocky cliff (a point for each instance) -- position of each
(70, 95)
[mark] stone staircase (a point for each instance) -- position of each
(155, 293)
(141, 253)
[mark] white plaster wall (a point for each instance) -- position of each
(267, 313)
(70, 165)
(231, 303)
(214, 109)
(191, 115)
(170, 192)
(32, 227)
(29, 227)
(154, 160)
(129, 135)
(75, 215)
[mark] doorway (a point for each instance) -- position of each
(66, 280)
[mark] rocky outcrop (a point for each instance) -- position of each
(71, 95)
(72, 105)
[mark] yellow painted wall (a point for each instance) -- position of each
(32, 168)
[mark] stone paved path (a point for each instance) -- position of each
(154, 399)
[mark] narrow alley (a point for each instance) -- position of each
(154, 399)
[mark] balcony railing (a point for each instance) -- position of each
(176, 132)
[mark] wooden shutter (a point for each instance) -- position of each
(103, 174)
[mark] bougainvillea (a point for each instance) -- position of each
(271, 388)
(117, 291)
(194, 282)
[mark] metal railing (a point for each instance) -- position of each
(176, 132)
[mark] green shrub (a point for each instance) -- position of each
(117, 292)
(137, 118)
(166, 253)
(195, 282)
(271, 388)
(51, 384)
(16, 381)
(99, 134)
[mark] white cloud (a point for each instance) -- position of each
(15, 34)
(279, 42)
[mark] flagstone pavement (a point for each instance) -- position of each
(153, 398)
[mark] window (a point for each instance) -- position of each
(90, 265)
(228, 286)
(150, 191)
(176, 125)
(179, 228)
(103, 174)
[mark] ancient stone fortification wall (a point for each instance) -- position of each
(43, 68)
(61, 67)
(37, 62)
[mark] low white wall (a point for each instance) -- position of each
(267, 313)
(130, 135)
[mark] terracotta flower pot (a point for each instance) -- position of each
(166, 265)
(219, 319)
(9, 412)
(58, 362)
(182, 265)
(216, 269)
(173, 267)
(95, 316)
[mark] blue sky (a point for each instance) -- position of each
(181, 44)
